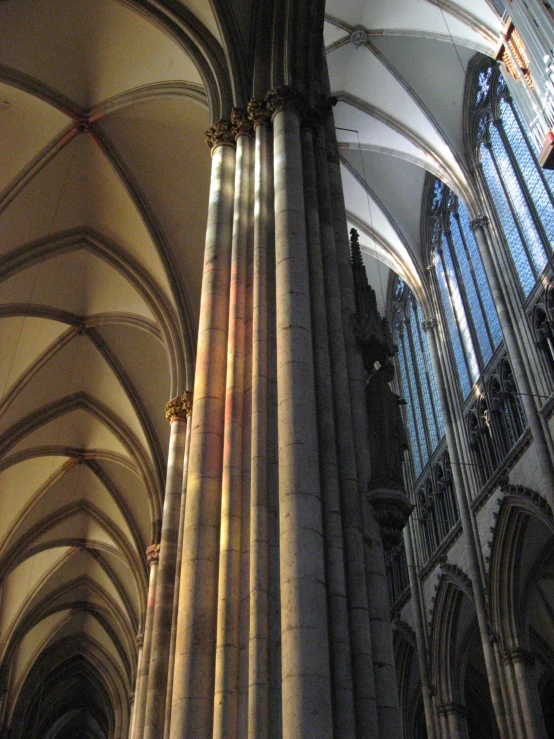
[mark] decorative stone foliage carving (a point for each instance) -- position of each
(222, 133)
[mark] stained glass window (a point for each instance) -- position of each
(520, 191)
(416, 377)
(467, 303)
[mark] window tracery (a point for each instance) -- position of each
(416, 377)
(467, 302)
(436, 507)
(521, 192)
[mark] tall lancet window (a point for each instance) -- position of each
(416, 377)
(469, 311)
(520, 191)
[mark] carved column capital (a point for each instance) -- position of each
(131, 699)
(175, 409)
(479, 223)
(187, 398)
(431, 268)
(241, 122)
(222, 133)
(429, 324)
(259, 113)
(285, 97)
(153, 554)
(139, 640)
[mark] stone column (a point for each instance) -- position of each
(131, 713)
(187, 399)
(419, 628)
(456, 716)
(520, 660)
(306, 686)
(341, 668)
(513, 692)
(536, 422)
(258, 653)
(176, 415)
(470, 542)
(139, 640)
(362, 676)
(193, 684)
(510, 721)
(386, 692)
(227, 640)
(152, 557)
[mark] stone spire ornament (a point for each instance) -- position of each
(387, 436)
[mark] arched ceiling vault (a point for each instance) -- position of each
(398, 72)
(104, 180)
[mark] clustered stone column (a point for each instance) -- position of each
(282, 626)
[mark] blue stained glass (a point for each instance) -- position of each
(431, 376)
(437, 194)
(521, 261)
(529, 169)
(425, 389)
(480, 276)
(483, 84)
(418, 413)
(523, 214)
(416, 454)
(460, 313)
(453, 330)
(471, 292)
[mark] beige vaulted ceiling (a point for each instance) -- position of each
(104, 180)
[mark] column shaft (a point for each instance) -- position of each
(419, 628)
(152, 554)
(227, 644)
(193, 685)
(341, 668)
(258, 663)
(173, 645)
(163, 612)
(363, 678)
(386, 692)
(305, 655)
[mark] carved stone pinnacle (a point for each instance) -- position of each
(222, 133)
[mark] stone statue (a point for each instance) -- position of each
(387, 435)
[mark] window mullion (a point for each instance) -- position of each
(523, 185)
(465, 303)
(530, 259)
(418, 387)
(540, 171)
(428, 379)
(474, 280)
(412, 402)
